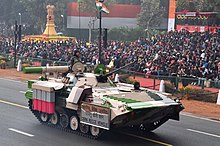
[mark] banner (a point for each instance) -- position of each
(95, 115)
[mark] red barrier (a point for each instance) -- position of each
(36, 64)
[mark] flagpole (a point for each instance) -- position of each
(100, 35)
(100, 29)
(79, 23)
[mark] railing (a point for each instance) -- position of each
(34, 61)
(178, 81)
(28, 61)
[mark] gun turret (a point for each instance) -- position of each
(60, 69)
(77, 67)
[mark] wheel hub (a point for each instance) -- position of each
(84, 128)
(74, 123)
(95, 131)
(54, 119)
(44, 117)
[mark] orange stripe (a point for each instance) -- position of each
(172, 8)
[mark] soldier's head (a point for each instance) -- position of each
(77, 53)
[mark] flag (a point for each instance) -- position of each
(98, 5)
(105, 9)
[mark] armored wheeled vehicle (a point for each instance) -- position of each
(90, 104)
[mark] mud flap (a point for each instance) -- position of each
(175, 116)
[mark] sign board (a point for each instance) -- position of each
(95, 115)
(193, 28)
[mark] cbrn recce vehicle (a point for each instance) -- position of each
(90, 104)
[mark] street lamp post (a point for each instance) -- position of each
(15, 42)
(63, 22)
(90, 30)
(79, 8)
(19, 18)
(91, 26)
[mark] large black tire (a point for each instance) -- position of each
(64, 120)
(84, 128)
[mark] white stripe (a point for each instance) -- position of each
(171, 24)
(201, 118)
(23, 92)
(107, 22)
(205, 133)
(20, 132)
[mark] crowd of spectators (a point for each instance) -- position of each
(174, 53)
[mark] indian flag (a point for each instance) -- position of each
(98, 5)
(105, 9)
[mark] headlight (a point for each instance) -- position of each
(177, 100)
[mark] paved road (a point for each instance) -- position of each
(20, 128)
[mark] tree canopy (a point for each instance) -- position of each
(151, 13)
(33, 12)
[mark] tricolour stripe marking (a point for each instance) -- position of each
(13, 104)
(20, 132)
(147, 139)
(204, 133)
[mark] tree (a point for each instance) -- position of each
(185, 5)
(9, 10)
(151, 14)
(124, 33)
(36, 9)
(198, 5)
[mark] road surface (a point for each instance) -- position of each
(20, 128)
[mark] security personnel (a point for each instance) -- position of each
(75, 58)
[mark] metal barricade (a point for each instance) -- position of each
(177, 81)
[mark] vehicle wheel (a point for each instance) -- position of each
(74, 123)
(95, 131)
(84, 128)
(64, 120)
(44, 117)
(54, 119)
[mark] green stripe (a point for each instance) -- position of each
(99, 5)
(33, 70)
(125, 100)
(29, 94)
